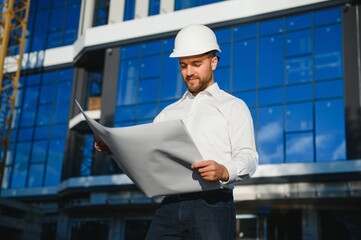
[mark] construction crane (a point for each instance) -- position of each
(13, 20)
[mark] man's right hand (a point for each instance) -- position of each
(100, 146)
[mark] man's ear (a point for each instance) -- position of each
(214, 62)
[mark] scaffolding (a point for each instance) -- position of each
(13, 20)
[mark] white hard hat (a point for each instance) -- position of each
(193, 40)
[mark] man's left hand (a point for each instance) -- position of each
(211, 170)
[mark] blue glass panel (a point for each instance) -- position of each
(25, 134)
(124, 124)
(299, 117)
(40, 28)
(168, 45)
(29, 107)
(49, 77)
(130, 51)
(271, 61)
(55, 161)
(41, 132)
(43, 4)
(33, 79)
(47, 94)
(58, 130)
(327, 16)
(127, 84)
(299, 43)
(148, 90)
(299, 69)
(270, 96)
(222, 77)
(244, 65)
(248, 97)
(58, 2)
(154, 6)
(125, 113)
(101, 13)
(184, 4)
(245, 31)
(6, 178)
(56, 19)
(301, 92)
(44, 115)
(223, 35)
(269, 135)
(16, 118)
(10, 154)
(61, 111)
(299, 22)
(39, 151)
(225, 56)
(144, 121)
(66, 75)
(172, 82)
(150, 66)
(147, 111)
(21, 165)
(13, 135)
(54, 40)
(71, 23)
(329, 89)
(151, 48)
(36, 174)
(330, 130)
(299, 147)
(129, 9)
(271, 27)
(328, 57)
(69, 36)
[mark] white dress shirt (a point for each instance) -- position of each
(221, 127)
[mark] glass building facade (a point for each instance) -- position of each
(36, 151)
(52, 24)
(290, 65)
(291, 80)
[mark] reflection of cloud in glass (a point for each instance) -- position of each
(299, 145)
(270, 132)
(339, 152)
(274, 157)
(322, 141)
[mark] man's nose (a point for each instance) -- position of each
(190, 70)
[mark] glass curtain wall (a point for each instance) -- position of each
(40, 124)
(52, 23)
(288, 70)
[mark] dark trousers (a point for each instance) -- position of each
(204, 215)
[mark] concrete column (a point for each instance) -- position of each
(86, 16)
(166, 6)
(310, 224)
(116, 11)
(141, 9)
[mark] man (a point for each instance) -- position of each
(222, 129)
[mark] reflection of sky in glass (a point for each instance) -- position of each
(299, 147)
(330, 134)
(269, 135)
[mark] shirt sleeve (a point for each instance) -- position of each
(241, 134)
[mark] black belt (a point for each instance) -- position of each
(213, 196)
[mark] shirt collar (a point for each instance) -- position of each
(213, 91)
